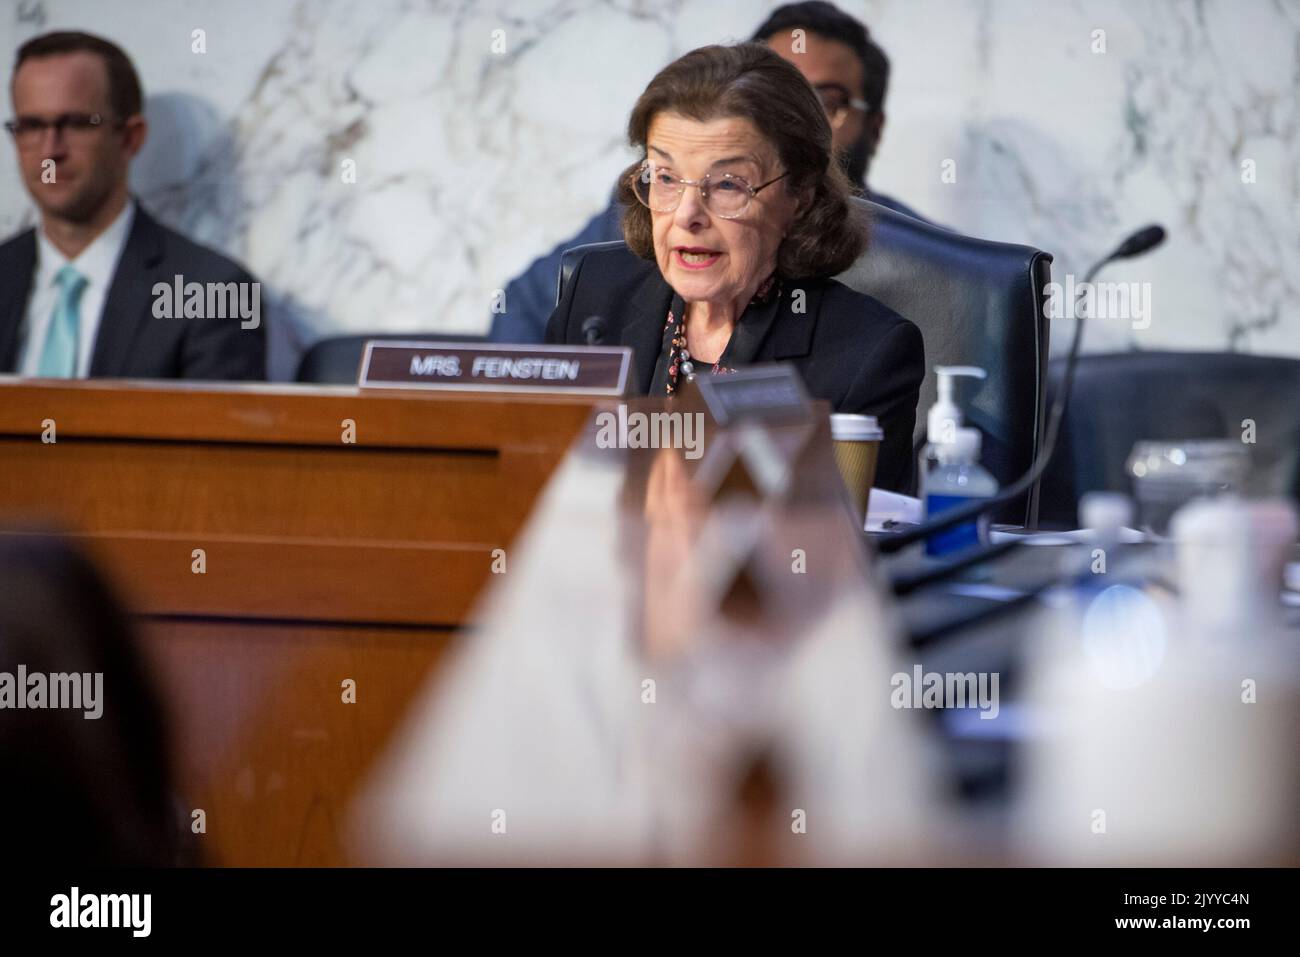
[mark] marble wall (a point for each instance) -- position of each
(476, 150)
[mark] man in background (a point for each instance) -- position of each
(850, 72)
(78, 294)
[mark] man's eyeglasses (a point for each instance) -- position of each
(726, 195)
(837, 101)
(29, 131)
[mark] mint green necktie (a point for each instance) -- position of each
(59, 357)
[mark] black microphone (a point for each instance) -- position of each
(1142, 241)
(593, 330)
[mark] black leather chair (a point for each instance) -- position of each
(336, 361)
(1123, 398)
(976, 303)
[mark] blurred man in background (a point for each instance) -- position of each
(850, 73)
(77, 294)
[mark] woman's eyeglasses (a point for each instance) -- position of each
(726, 195)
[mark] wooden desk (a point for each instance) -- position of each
(341, 535)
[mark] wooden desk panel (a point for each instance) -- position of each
(341, 494)
(284, 414)
(324, 561)
(262, 740)
(294, 523)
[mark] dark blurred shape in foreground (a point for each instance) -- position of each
(79, 791)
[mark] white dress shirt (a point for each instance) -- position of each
(98, 263)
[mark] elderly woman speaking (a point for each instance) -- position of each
(737, 217)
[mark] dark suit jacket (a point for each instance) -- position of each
(131, 341)
(851, 350)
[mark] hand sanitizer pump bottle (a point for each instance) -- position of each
(949, 469)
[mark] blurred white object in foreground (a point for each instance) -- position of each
(609, 708)
(1170, 726)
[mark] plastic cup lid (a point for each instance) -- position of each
(848, 427)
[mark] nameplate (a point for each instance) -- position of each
(766, 392)
(470, 366)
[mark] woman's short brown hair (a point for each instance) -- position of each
(752, 82)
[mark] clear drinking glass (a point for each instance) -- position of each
(1168, 475)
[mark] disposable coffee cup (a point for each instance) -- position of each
(856, 440)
